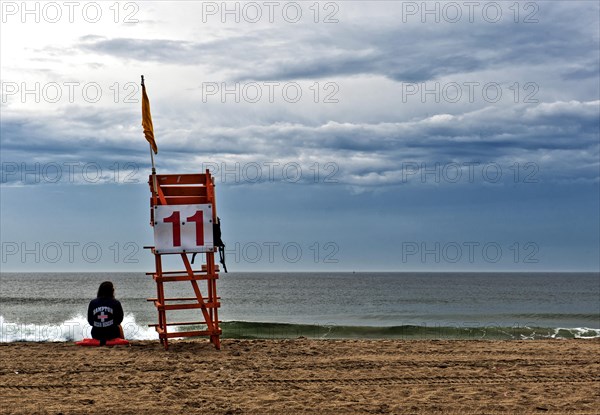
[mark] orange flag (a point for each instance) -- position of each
(147, 119)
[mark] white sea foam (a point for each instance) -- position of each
(73, 329)
(576, 332)
(560, 333)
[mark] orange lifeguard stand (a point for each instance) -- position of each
(183, 213)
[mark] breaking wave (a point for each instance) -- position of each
(73, 329)
(77, 328)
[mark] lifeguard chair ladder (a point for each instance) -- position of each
(182, 213)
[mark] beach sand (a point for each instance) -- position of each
(303, 376)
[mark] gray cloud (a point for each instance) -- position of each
(560, 136)
(406, 53)
(549, 132)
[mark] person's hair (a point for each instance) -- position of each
(106, 290)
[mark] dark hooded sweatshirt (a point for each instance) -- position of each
(105, 315)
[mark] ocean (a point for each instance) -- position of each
(52, 306)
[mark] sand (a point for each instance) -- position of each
(303, 377)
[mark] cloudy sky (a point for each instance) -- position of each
(344, 135)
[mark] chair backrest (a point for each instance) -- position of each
(181, 189)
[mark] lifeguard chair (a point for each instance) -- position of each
(183, 214)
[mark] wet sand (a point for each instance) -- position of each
(303, 377)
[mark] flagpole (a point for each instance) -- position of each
(152, 158)
(153, 170)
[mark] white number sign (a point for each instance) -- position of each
(183, 228)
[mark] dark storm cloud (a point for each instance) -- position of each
(244, 58)
(167, 51)
(407, 53)
(561, 136)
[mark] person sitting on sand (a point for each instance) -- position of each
(105, 314)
